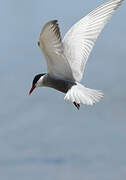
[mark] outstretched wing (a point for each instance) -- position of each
(79, 40)
(51, 45)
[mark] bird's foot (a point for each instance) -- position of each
(77, 105)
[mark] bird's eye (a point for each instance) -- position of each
(38, 43)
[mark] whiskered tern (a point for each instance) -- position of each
(66, 58)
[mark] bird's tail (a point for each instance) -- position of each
(78, 94)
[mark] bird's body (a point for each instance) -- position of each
(60, 84)
(66, 58)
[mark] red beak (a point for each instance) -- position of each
(31, 90)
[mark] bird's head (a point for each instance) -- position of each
(37, 82)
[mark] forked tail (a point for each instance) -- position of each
(78, 94)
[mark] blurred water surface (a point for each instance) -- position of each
(41, 136)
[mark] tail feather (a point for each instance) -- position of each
(82, 95)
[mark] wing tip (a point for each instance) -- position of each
(52, 22)
(119, 3)
(53, 26)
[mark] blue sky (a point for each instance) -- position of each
(32, 126)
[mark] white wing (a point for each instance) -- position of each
(51, 45)
(79, 40)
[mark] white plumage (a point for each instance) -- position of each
(79, 40)
(66, 58)
(82, 95)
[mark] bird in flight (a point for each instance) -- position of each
(66, 58)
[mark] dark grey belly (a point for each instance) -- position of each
(58, 84)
